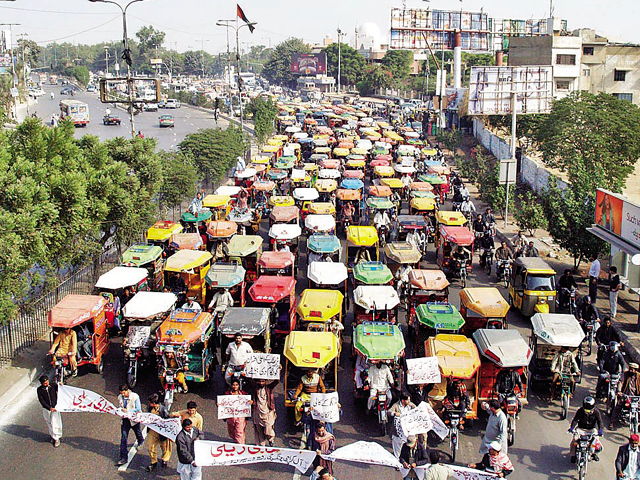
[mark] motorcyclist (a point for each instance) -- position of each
(587, 313)
(478, 225)
(586, 420)
(381, 219)
(402, 277)
(456, 398)
(348, 210)
(519, 243)
(237, 355)
(461, 255)
(564, 363)
(467, 207)
(222, 300)
(490, 221)
(503, 255)
(606, 334)
(610, 363)
(566, 283)
(464, 192)
(488, 245)
(171, 362)
(506, 382)
(629, 385)
(380, 380)
(531, 250)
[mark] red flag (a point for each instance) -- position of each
(245, 19)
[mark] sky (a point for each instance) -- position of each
(190, 24)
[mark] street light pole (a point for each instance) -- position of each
(339, 59)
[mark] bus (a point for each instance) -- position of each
(76, 111)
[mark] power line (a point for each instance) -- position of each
(79, 33)
(53, 11)
(176, 30)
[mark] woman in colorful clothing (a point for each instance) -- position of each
(236, 426)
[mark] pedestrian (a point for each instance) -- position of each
(185, 441)
(191, 413)
(130, 403)
(496, 428)
(264, 411)
(628, 460)
(324, 443)
(412, 455)
(437, 470)
(402, 406)
(614, 287)
(154, 439)
(48, 398)
(495, 461)
(236, 426)
(594, 274)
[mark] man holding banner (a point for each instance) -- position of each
(130, 403)
(185, 441)
(264, 411)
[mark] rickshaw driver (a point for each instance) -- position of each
(221, 302)
(506, 382)
(564, 363)
(456, 390)
(66, 343)
(403, 277)
(461, 255)
(381, 219)
(178, 286)
(315, 257)
(191, 304)
(380, 380)
(170, 361)
(362, 255)
(348, 211)
(310, 383)
(238, 353)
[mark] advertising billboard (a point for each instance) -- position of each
(309, 63)
(618, 215)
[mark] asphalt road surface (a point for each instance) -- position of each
(90, 442)
(187, 119)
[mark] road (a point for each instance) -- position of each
(187, 119)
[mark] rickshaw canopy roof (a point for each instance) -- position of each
(121, 277)
(392, 182)
(458, 235)
(141, 254)
(321, 223)
(329, 173)
(380, 203)
(423, 203)
(305, 194)
(263, 185)
(428, 279)
(184, 327)
(379, 191)
(358, 174)
(362, 236)
(352, 184)
(378, 340)
(432, 178)
(372, 273)
(383, 170)
(402, 169)
(216, 201)
(222, 228)
(326, 185)
(344, 194)
(327, 273)
(330, 163)
(323, 243)
(421, 187)
(319, 305)
(201, 216)
(281, 259)
(285, 231)
(449, 218)
(284, 214)
(485, 301)
(558, 329)
(505, 348)
(243, 245)
(322, 208)
(376, 297)
(74, 310)
(271, 289)
(163, 229)
(225, 275)
(191, 241)
(402, 252)
(457, 355)
(310, 349)
(228, 190)
(411, 221)
(281, 200)
(247, 173)
(245, 320)
(441, 316)
(534, 265)
(184, 260)
(148, 305)
(276, 174)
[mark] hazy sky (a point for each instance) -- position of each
(188, 22)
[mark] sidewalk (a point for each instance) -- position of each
(627, 316)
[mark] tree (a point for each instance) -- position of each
(278, 68)
(179, 177)
(31, 51)
(81, 74)
(374, 77)
(352, 63)
(530, 214)
(399, 63)
(264, 115)
(149, 38)
(214, 150)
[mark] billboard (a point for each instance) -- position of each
(618, 215)
(309, 63)
(490, 90)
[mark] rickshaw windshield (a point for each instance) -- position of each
(541, 282)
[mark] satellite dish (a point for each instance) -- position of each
(636, 259)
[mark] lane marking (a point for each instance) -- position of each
(132, 452)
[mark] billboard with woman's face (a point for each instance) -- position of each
(609, 211)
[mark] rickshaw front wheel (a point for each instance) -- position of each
(100, 366)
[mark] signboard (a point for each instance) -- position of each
(324, 406)
(309, 63)
(416, 421)
(233, 406)
(263, 365)
(156, 61)
(619, 216)
(5, 60)
(508, 176)
(490, 90)
(421, 371)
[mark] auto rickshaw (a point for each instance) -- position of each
(371, 273)
(245, 250)
(85, 314)
(188, 241)
(329, 174)
(280, 294)
(160, 233)
(281, 201)
(375, 342)
(351, 183)
(288, 215)
(398, 254)
(192, 266)
(142, 316)
(379, 191)
(111, 286)
(319, 224)
(483, 307)
(277, 175)
(231, 190)
(329, 276)
(277, 263)
(440, 184)
(382, 171)
(434, 318)
(448, 243)
(252, 323)
(282, 234)
(362, 239)
(326, 187)
(354, 197)
(219, 205)
(219, 232)
(425, 207)
(322, 208)
(376, 204)
(190, 221)
(309, 350)
(375, 303)
(321, 311)
(451, 219)
(148, 257)
(533, 286)
(228, 276)
(285, 162)
(458, 358)
(190, 334)
(303, 196)
(425, 286)
(410, 223)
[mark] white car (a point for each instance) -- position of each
(37, 92)
(151, 107)
(172, 103)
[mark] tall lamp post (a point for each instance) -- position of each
(340, 34)
(227, 23)
(126, 55)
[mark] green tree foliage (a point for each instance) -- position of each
(278, 68)
(179, 178)
(264, 115)
(214, 151)
(530, 214)
(149, 38)
(374, 77)
(31, 51)
(352, 63)
(398, 62)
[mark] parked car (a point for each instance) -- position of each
(36, 92)
(151, 107)
(68, 90)
(166, 121)
(111, 119)
(162, 104)
(91, 88)
(172, 103)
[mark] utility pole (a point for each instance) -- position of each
(202, 41)
(106, 61)
(339, 59)
(225, 23)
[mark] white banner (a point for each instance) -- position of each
(324, 406)
(421, 371)
(364, 452)
(461, 473)
(233, 406)
(264, 366)
(73, 399)
(138, 335)
(416, 421)
(209, 453)
(439, 427)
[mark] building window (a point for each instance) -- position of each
(587, 50)
(619, 75)
(586, 72)
(563, 85)
(562, 59)
(624, 96)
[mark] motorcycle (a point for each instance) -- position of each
(585, 447)
(612, 382)
(133, 356)
(170, 387)
(591, 326)
(503, 272)
(461, 267)
(62, 369)
(453, 416)
(510, 408)
(237, 373)
(381, 408)
(486, 260)
(567, 299)
(382, 234)
(630, 411)
(306, 422)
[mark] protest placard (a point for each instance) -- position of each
(264, 366)
(233, 406)
(423, 370)
(324, 406)
(416, 421)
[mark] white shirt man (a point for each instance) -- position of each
(406, 181)
(192, 305)
(238, 354)
(380, 380)
(594, 269)
(467, 206)
(464, 192)
(381, 218)
(221, 301)
(240, 164)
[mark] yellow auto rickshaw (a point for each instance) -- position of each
(219, 205)
(192, 266)
(483, 307)
(160, 233)
(362, 244)
(533, 286)
(320, 311)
